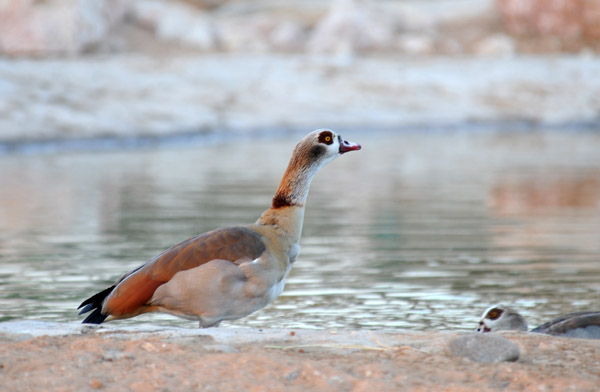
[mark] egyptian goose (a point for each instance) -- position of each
(576, 325)
(227, 273)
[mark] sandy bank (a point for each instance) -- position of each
(68, 357)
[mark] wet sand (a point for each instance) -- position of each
(69, 357)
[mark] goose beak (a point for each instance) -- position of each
(483, 328)
(346, 146)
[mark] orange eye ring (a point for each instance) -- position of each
(494, 314)
(326, 137)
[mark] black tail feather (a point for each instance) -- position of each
(86, 309)
(96, 317)
(94, 304)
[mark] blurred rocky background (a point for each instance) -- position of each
(82, 68)
(72, 27)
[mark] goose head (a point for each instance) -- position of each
(310, 154)
(499, 318)
(322, 146)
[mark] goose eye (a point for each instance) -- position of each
(326, 137)
(494, 314)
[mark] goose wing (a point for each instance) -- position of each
(565, 325)
(133, 290)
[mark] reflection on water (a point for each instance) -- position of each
(411, 232)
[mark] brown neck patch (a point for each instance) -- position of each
(280, 201)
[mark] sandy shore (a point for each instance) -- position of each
(46, 356)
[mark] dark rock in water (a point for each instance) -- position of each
(485, 348)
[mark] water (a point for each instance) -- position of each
(414, 231)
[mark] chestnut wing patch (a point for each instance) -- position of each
(136, 288)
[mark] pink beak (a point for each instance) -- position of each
(346, 146)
